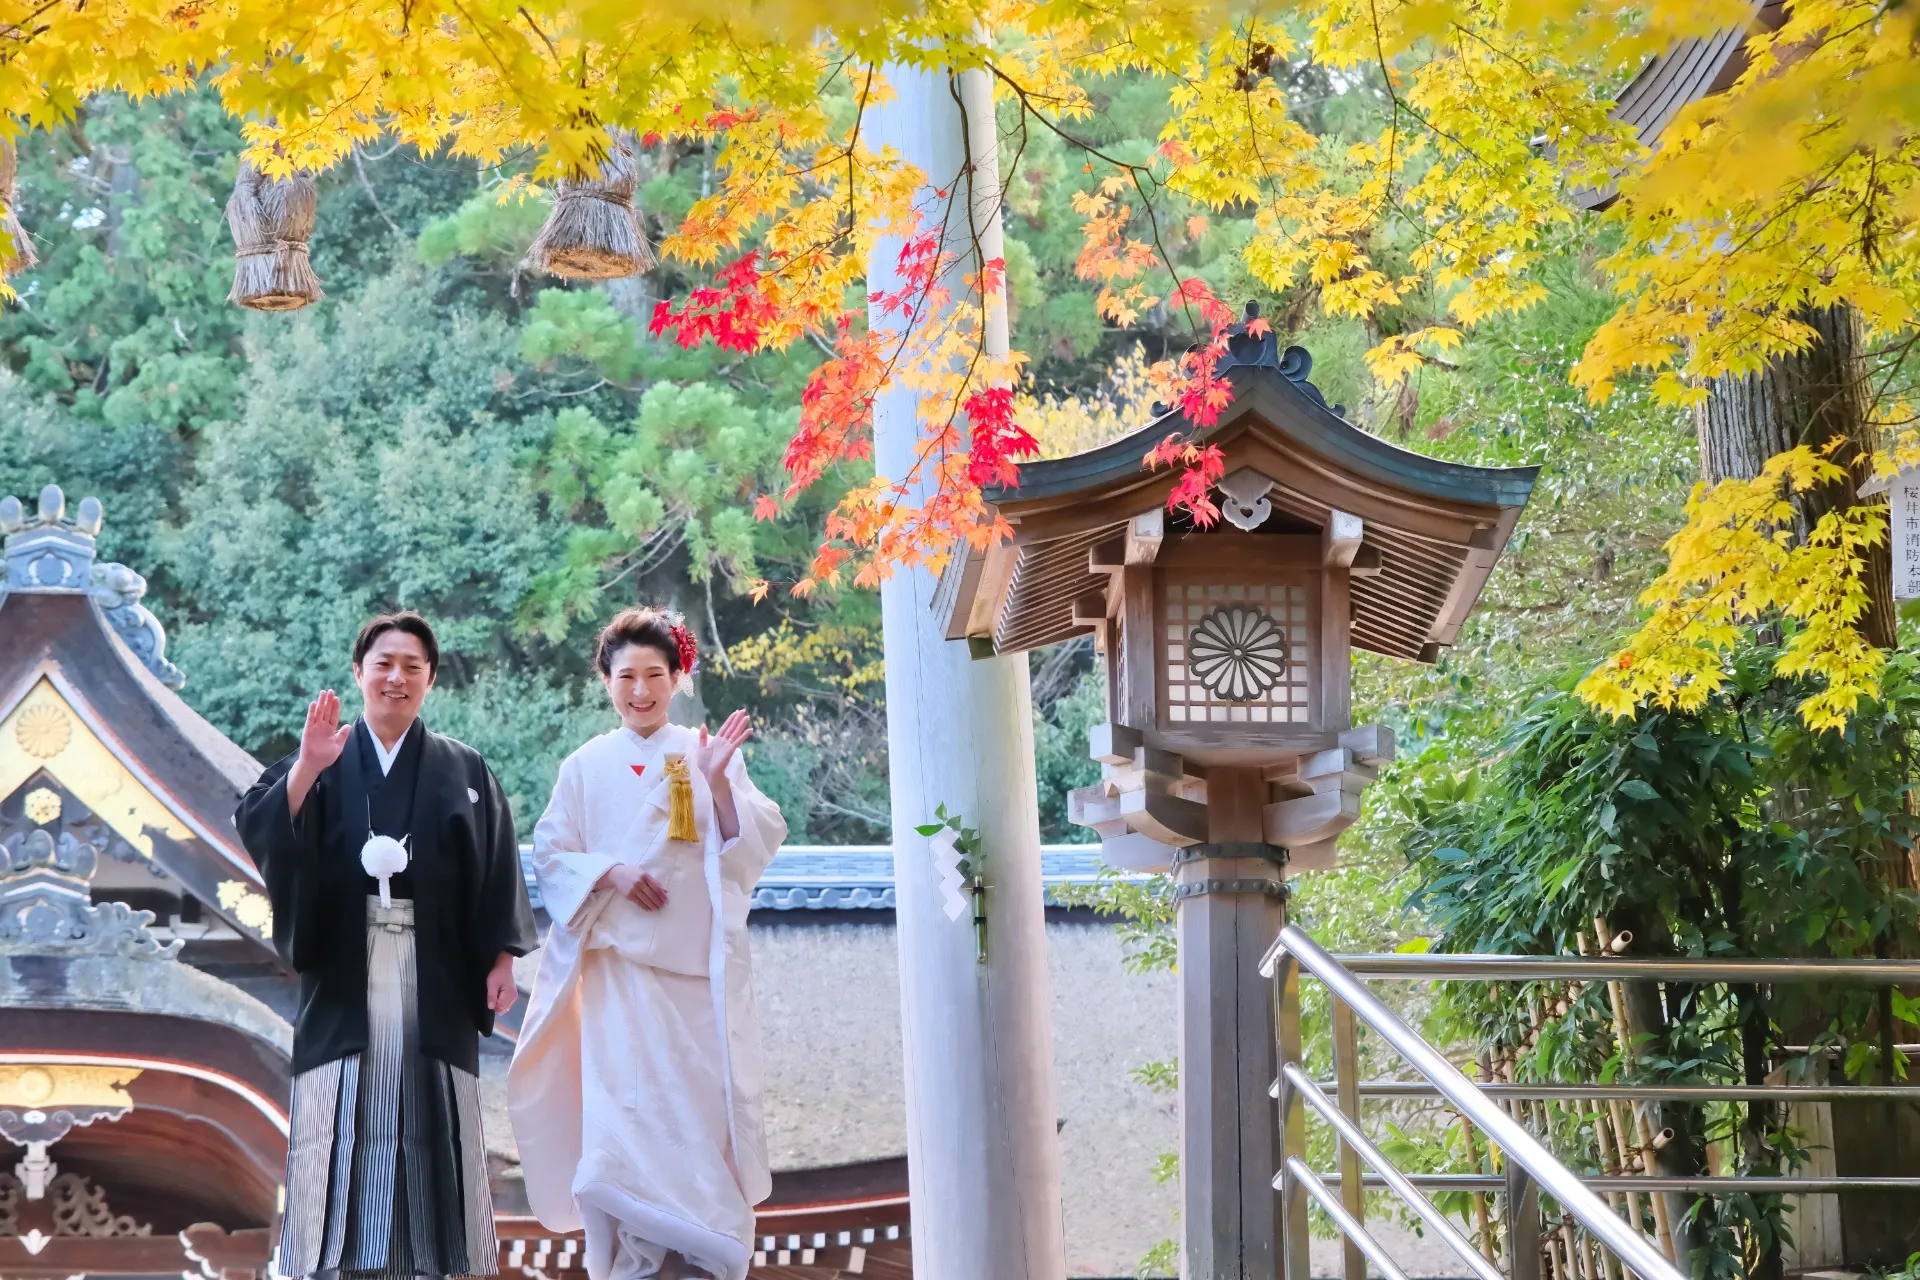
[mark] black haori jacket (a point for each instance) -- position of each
(470, 899)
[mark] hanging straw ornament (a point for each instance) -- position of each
(680, 800)
(272, 222)
(20, 256)
(592, 232)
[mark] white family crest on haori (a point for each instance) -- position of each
(635, 1089)
(384, 857)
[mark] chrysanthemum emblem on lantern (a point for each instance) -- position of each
(1237, 653)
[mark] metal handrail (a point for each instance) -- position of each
(1783, 1093)
(1524, 1154)
(1351, 1134)
(1442, 966)
(1704, 1183)
(1350, 1227)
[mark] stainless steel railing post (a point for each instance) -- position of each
(1523, 1223)
(1296, 1261)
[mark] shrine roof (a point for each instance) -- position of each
(1437, 527)
(1278, 397)
(1691, 69)
(87, 700)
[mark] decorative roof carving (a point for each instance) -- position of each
(41, 1103)
(1246, 350)
(45, 904)
(78, 1209)
(1245, 493)
(48, 553)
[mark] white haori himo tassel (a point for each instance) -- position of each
(383, 857)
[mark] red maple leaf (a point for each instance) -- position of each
(1202, 466)
(1197, 293)
(734, 312)
(995, 441)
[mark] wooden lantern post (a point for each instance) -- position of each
(1229, 755)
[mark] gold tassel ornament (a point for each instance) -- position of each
(680, 801)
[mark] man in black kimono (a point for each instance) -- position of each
(404, 947)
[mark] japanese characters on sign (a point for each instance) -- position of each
(1903, 496)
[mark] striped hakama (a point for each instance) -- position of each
(386, 1164)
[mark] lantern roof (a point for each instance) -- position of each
(1432, 529)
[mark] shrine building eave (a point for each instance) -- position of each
(195, 771)
(91, 728)
(1433, 529)
(1691, 69)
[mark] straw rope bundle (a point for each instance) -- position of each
(592, 232)
(20, 257)
(272, 222)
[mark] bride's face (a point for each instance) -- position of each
(641, 685)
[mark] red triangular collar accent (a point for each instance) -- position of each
(638, 769)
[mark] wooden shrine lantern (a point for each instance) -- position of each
(1228, 754)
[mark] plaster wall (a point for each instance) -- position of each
(828, 996)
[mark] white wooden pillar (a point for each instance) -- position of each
(983, 1156)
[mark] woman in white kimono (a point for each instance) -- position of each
(635, 1091)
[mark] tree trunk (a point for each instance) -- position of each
(1816, 397)
(1820, 397)
(1646, 1015)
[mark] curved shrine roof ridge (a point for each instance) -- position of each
(1266, 378)
(87, 699)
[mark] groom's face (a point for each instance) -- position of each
(394, 676)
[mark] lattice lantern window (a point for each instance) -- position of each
(1237, 653)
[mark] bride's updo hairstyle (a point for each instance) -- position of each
(656, 629)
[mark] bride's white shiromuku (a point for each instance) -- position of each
(635, 1090)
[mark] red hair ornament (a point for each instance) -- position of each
(683, 641)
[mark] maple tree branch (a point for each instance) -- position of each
(551, 51)
(1509, 56)
(1393, 96)
(367, 186)
(1133, 171)
(853, 143)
